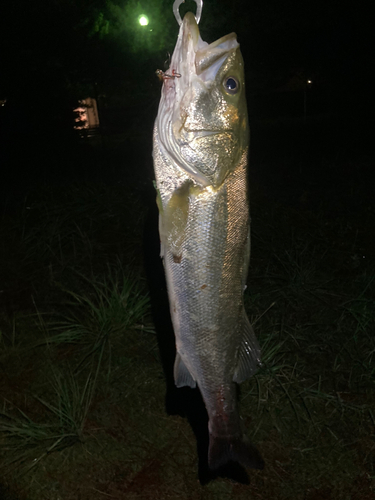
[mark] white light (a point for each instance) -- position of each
(143, 21)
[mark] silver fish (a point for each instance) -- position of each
(201, 140)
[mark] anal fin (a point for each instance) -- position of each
(175, 218)
(182, 376)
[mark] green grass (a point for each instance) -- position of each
(82, 390)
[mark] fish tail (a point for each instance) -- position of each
(223, 449)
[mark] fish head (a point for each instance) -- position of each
(202, 119)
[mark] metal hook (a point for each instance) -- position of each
(176, 7)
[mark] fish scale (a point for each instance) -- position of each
(200, 154)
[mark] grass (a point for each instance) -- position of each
(82, 390)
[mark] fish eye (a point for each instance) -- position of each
(231, 85)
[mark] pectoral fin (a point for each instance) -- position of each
(175, 218)
(248, 354)
(182, 376)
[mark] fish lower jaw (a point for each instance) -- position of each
(188, 136)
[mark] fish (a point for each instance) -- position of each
(200, 150)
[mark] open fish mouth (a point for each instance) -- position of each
(205, 132)
(193, 135)
(195, 60)
(191, 119)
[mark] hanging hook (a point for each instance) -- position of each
(176, 7)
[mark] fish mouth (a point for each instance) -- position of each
(196, 63)
(197, 57)
(189, 137)
(197, 134)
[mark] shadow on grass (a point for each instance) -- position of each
(5, 494)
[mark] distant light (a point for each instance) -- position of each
(143, 20)
(309, 81)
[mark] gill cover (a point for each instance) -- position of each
(202, 118)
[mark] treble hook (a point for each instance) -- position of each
(176, 11)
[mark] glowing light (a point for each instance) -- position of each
(143, 20)
(309, 81)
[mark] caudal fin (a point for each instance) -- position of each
(237, 449)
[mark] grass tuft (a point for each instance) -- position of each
(82, 388)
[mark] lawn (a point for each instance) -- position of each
(88, 405)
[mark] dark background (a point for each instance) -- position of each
(56, 52)
(75, 208)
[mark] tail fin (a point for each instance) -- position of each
(237, 449)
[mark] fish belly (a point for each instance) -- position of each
(205, 281)
(205, 278)
(205, 244)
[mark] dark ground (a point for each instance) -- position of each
(312, 185)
